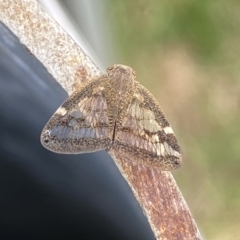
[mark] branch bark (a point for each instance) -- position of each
(156, 191)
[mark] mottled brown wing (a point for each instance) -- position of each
(81, 124)
(145, 135)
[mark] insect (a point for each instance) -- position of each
(113, 111)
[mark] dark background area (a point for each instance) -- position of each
(44, 195)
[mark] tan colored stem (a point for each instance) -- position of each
(156, 191)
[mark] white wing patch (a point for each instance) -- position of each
(81, 127)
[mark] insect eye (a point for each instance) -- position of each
(110, 68)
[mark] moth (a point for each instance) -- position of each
(114, 112)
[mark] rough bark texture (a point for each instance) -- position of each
(62, 57)
(155, 190)
(161, 200)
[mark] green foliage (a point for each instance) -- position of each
(188, 54)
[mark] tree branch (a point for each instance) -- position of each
(156, 191)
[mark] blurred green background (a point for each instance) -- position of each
(187, 53)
